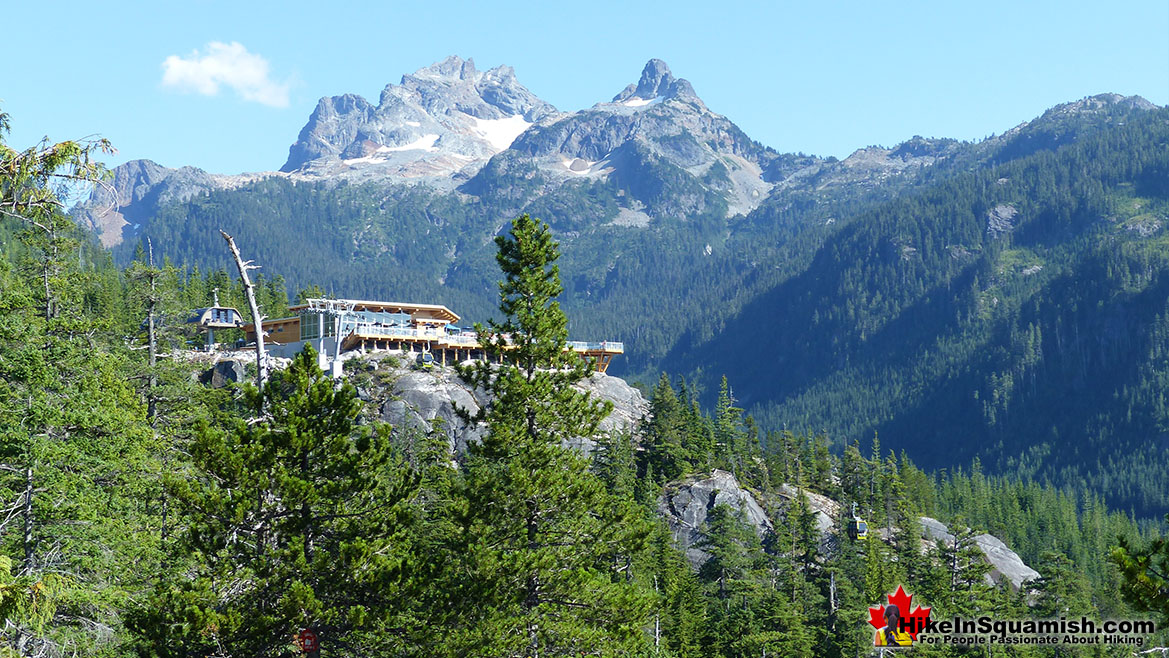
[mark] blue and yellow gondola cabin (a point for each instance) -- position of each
(857, 528)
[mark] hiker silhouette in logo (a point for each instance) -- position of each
(892, 635)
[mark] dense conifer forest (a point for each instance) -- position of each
(1010, 297)
(1034, 343)
(146, 514)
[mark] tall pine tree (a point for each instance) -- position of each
(547, 547)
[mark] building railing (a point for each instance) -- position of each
(603, 346)
(467, 340)
(390, 332)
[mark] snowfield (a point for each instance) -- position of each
(500, 133)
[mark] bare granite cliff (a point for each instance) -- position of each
(686, 504)
(428, 399)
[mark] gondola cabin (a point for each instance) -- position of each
(424, 361)
(857, 528)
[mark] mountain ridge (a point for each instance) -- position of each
(843, 274)
(436, 122)
(442, 125)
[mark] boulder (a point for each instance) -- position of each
(422, 397)
(686, 504)
(934, 529)
(429, 399)
(1005, 564)
(223, 373)
(825, 509)
(1000, 219)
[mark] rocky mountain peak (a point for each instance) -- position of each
(657, 129)
(656, 82)
(115, 212)
(441, 120)
(1100, 106)
(451, 68)
(1101, 101)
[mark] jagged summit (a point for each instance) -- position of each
(438, 121)
(656, 82)
(118, 211)
(453, 68)
(456, 83)
(653, 127)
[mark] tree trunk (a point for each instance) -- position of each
(28, 543)
(257, 319)
(657, 623)
(306, 515)
(50, 257)
(151, 310)
(532, 600)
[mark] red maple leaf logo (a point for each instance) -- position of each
(912, 622)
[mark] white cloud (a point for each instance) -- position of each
(228, 64)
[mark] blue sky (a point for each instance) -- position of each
(818, 77)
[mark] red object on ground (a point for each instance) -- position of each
(307, 640)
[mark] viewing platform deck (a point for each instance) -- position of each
(353, 324)
(454, 348)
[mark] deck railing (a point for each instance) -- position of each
(467, 340)
(603, 346)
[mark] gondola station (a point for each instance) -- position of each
(215, 317)
(335, 326)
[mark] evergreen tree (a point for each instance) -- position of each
(75, 456)
(734, 551)
(1062, 590)
(295, 518)
(968, 591)
(1145, 572)
(853, 481)
(663, 445)
(546, 549)
(679, 618)
(615, 462)
(728, 431)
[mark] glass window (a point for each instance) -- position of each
(309, 325)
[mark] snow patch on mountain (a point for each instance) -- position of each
(641, 102)
(500, 133)
(423, 143)
(578, 165)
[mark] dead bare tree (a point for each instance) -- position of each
(257, 319)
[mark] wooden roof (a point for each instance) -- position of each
(435, 310)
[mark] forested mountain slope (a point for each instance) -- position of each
(149, 515)
(670, 217)
(997, 298)
(1017, 313)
